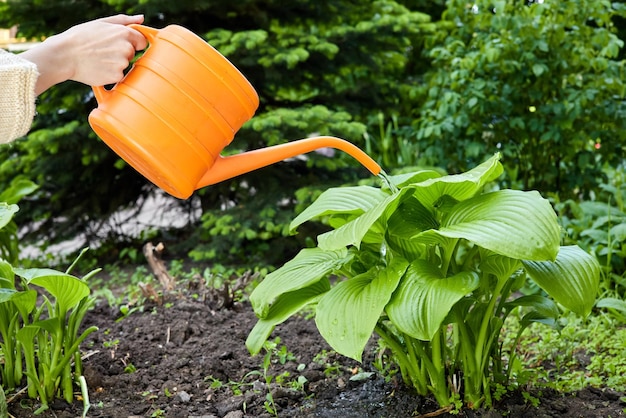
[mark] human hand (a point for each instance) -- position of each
(94, 53)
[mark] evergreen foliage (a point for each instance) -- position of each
(413, 82)
(319, 67)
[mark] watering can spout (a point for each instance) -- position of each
(228, 167)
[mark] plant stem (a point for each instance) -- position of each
(482, 351)
(466, 349)
(435, 365)
(3, 404)
(85, 393)
(408, 368)
(74, 347)
(420, 377)
(439, 362)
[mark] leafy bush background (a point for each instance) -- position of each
(413, 82)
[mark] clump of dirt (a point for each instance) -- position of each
(186, 357)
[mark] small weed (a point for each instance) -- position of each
(331, 368)
(215, 383)
(530, 399)
(500, 391)
(148, 395)
(456, 404)
(275, 350)
(130, 368)
(385, 365)
(275, 353)
(298, 384)
(111, 344)
(158, 413)
(126, 310)
(236, 387)
(269, 404)
(131, 254)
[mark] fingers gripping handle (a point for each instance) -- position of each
(150, 34)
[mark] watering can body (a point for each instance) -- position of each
(178, 107)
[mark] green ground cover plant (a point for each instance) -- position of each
(433, 265)
(582, 352)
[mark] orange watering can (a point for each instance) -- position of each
(178, 107)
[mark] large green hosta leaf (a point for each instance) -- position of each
(306, 268)
(6, 294)
(347, 314)
(401, 180)
(284, 307)
(516, 224)
(500, 266)
(24, 301)
(345, 200)
(409, 218)
(539, 309)
(427, 192)
(572, 279)
(67, 289)
(424, 298)
(7, 276)
(612, 303)
(458, 186)
(352, 233)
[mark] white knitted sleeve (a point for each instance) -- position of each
(17, 95)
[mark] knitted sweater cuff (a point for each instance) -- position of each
(17, 95)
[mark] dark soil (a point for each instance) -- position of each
(187, 358)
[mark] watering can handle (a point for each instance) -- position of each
(150, 34)
(228, 167)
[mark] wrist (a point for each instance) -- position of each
(54, 62)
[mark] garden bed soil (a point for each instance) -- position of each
(186, 357)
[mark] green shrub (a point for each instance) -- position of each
(540, 82)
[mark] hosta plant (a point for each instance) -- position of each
(432, 264)
(40, 340)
